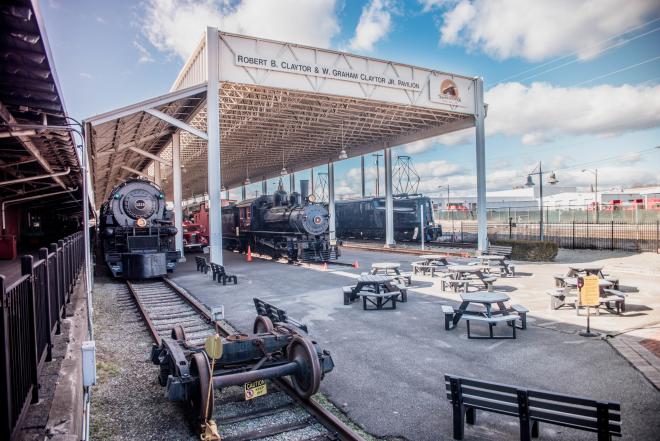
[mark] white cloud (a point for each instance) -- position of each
(542, 112)
(374, 24)
(421, 146)
(539, 29)
(428, 5)
(86, 76)
(145, 56)
(176, 26)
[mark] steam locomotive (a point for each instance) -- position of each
(136, 231)
(280, 225)
(365, 219)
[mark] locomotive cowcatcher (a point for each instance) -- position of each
(137, 232)
(286, 225)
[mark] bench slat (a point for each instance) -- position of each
(489, 394)
(589, 412)
(577, 422)
(484, 384)
(569, 399)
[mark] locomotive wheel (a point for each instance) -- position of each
(199, 367)
(262, 325)
(178, 333)
(308, 379)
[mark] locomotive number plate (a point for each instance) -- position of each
(255, 389)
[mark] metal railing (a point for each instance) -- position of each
(32, 309)
(611, 235)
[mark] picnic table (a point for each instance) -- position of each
(608, 297)
(466, 273)
(484, 298)
(589, 270)
(492, 259)
(385, 268)
(430, 263)
(377, 290)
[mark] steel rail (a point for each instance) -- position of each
(321, 414)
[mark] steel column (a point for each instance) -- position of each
(157, 172)
(213, 132)
(264, 186)
(243, 193)
(87, 187)
(176, 185)
(389, 200)
(331, 201)
(292, 182)
(363, 191)
(479, 117)
(311, 180)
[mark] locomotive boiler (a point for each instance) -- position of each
(280, 225)
(136, 231)
(365, 219)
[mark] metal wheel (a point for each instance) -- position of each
(308, 379)
(262, 325)
(199, 367)
(178, 333)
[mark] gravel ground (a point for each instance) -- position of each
(128, 402)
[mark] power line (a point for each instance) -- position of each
(623, 69)
(578, 51)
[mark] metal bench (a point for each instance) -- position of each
(379, 300)
(221, 275)
(492, 321)
(202, 264)
(499, 250)
(276, 315)
(532, 407)
(448, 311)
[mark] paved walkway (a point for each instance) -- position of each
(390, 364)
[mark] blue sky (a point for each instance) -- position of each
(567, 83)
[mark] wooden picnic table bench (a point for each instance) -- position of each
(368, 284)
(378, 299)
(531, 407)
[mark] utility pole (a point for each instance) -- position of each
(552, 180)
(377, 155)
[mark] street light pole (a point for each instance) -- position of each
(597, 202)
(377, 155)
(552, 180)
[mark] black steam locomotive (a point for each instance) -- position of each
(280, 225)
(365, 219)
(137, 232)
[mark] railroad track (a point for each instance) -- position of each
(280, 415)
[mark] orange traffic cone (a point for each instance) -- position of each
(249, 254)
(325, 266)
(355, 265)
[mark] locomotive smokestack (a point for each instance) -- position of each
(304, 189)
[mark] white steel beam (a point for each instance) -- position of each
(214, 153)
(243, 192)
(147, 104)
(264, 186)
(292, 182)
(177, 123)
(363, 191)
(331, 202)
(132, 170)
(480, 115)
(176, 183)
(149, 155)
(389, 200)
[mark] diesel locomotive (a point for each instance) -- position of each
(280, 225)
(136, 231)
(365, 219)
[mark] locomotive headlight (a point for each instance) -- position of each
(141, 222)
(311, 198)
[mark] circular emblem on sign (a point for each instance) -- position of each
(448, 88)
(140, 204)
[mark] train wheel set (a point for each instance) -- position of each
(277, 353)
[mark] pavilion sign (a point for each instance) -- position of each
(335, 73)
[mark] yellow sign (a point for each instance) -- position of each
(255, 389)
(590, 292)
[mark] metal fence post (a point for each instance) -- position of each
(43, 254)
(612, 238)
(28, 269)
(573, 235)
(61, 260)
(5, 354)
(657, 236)
(57, 276)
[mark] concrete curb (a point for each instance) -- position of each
(405, 250)
(639, 357)
(65, 418)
